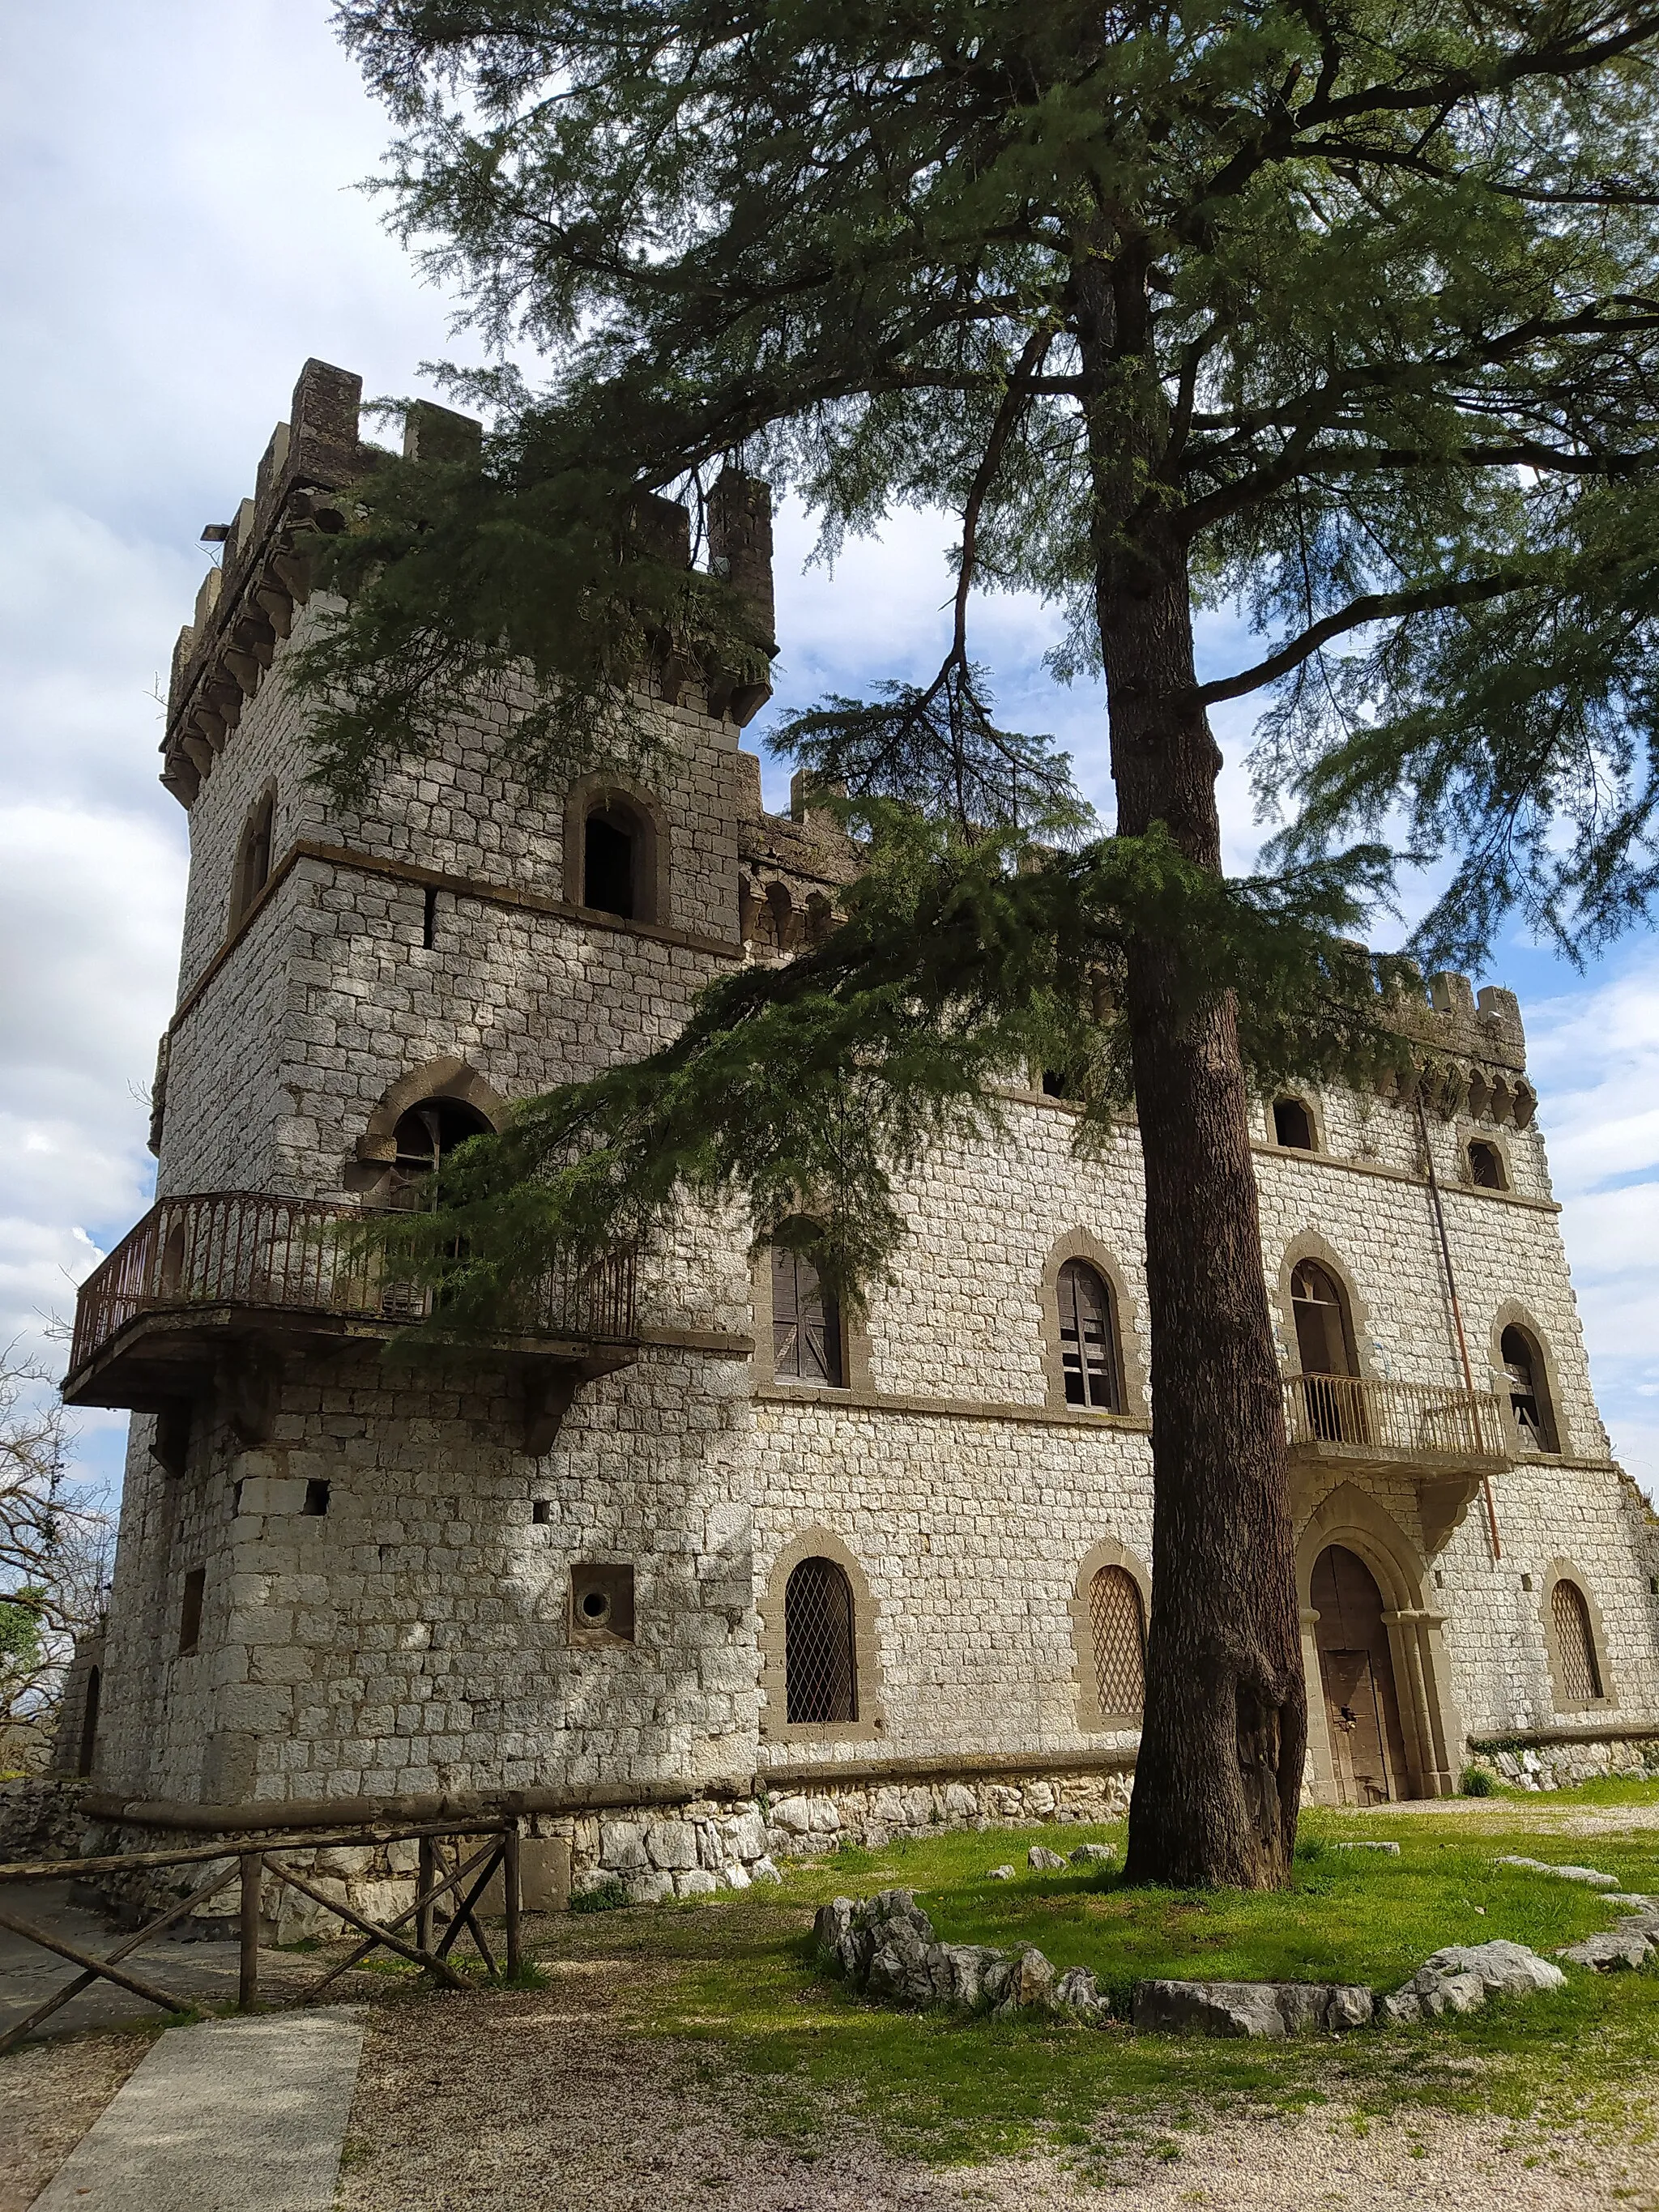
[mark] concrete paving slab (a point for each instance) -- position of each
(203, 1972)
(233, 2116)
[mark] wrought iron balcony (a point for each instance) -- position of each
(235, 1266)
(1363, 1421)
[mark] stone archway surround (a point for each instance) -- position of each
(1428, 1719)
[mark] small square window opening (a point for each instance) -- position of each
(316, 1502)
(541, 1512)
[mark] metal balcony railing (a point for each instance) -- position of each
(247, 1248)
(1403, 1420)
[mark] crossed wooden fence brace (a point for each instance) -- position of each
(251, 1864)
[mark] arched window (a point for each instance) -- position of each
(1117, 1632)
(806, 1331)
(820, 1663)
(1088, 1339)
(1323, 1339)
(252, 870)
(1485, 1165)
(1324, 1345)
(612, 861)
(90, 1722)
(1529, 1401)
(1294, 1124)
(1579, 1669)
(425, 1136)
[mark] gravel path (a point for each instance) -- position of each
(50, 2096)
(539, 2104)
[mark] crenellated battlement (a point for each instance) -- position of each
(246, 605)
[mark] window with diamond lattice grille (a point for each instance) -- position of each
(806, 1323)
(1119, 1634)
(1575, 1645)
(1088, 1341)
(820, 1665)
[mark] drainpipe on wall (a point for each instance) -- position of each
(1456, 1307)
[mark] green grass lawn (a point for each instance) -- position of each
(737, 1980)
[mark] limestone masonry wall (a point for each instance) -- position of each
(387, 1571)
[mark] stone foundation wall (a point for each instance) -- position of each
(1545, 1765)
(40, 1818)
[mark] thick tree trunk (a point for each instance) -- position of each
(1219, 1777)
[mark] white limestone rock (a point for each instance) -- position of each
(1041, 1860)
(671, 1845)
(1076, 1991)
(1226, 2009)
(1352, 2005)
(1614, 1951)
(1505, 1968)
(1002, 1873)
(793, 1815)
(745, 1837)
(696, 1881)
(1392, 1849)
(960, 1802)
(1088, 1855)
(1590, 1876)
(764, 1870)
(649, 1888)
(622, 1847)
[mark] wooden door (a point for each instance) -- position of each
(1355, 1665)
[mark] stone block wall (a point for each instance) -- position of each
(415, 1637)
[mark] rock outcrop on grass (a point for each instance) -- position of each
(1249, 2008)
(1591, 1877)
(1461, 1978)
(886, 1947)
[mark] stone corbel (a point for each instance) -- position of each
(250, 1379)
(1442, 1508)
(549, 1391)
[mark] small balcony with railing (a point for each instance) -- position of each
(1367, 1422)
(231, 1272)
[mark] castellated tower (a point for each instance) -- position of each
(698, 1541)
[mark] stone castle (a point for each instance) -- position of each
(698, 1546)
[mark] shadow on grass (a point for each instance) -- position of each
(738, 1981)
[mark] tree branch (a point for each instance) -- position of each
(1369, 607)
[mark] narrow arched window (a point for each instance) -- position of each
(820, 1663)
(1294, 1124)
(1323, 1341)
(1088, 1339)
(425, 1136)
(252, 869)
(1117, 1632)
(1485, 1165)
(90, 1722)
(611, 857)
(1580, 1682)
(1529, 1401)
(806, 1331)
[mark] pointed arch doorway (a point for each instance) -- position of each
(1356, 1667)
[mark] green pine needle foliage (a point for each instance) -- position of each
(802, 1090)
(1343, 317)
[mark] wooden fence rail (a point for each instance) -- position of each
(445, 1871)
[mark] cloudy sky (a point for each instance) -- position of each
(183, 233)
